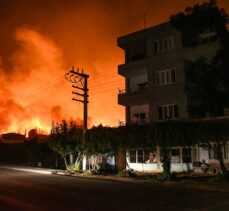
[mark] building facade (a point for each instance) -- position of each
(154, 71)
(156, 60)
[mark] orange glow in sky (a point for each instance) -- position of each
(42, 40)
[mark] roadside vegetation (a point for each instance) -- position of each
(207, 86)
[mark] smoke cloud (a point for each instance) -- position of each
(41, 40)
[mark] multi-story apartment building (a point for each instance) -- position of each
(155, 62)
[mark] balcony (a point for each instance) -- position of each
(135, 122)
(134, 96)
(142, 87)
(123, 69)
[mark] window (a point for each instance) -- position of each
(164, 77)
(176, 112)
(211, 153)
(226, 152)
(136, 51)
(150, 156)
(140, 118)
(132, 154)
(139, 114)
(143, 87)
(175, 155)
(142, 115)
(186, 155)
(224, 149)
(160, 113)
(173, 75)
(140, 156)
(166, 112)
(163, 45)
(170, 111)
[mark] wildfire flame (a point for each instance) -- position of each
(37, 92)
(41, 41)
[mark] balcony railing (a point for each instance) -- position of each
(140, 88)
(135, 122)
(140, 121)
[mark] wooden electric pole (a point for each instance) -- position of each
(80, 83)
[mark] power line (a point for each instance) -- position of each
(53, 83)
(40, 88)
(105, 84)
(43, 90)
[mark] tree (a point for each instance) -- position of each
(207, 85)
(215, 134)
(204, 91)
(66, 140)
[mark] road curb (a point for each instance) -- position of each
(173, 184)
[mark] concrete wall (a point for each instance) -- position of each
(153, 62)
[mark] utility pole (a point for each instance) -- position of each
(79, 82)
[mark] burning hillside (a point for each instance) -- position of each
(41, 40)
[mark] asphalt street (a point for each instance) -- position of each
(31, 191)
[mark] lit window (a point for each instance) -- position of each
(186, 155)
(142, 156)
(132, 154)
(150, 156)
(175, 155)
(224, 149)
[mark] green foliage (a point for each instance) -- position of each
(102, 169)
(165, 159)
(207, 81)
(166, 176)
(66, 139)
(128, 173)
(37, 152)
(204, 89)
(199, 19)
(163, 134)
(74, 167)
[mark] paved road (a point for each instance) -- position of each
(30, 191)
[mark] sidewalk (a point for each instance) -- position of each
(188, 184)
(29, 169)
